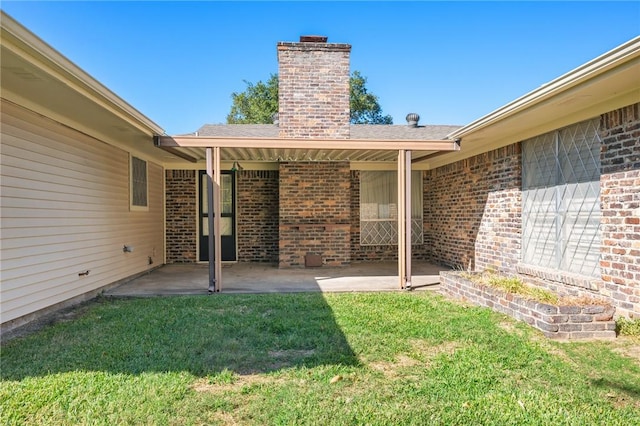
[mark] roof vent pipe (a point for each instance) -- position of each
(412, 119)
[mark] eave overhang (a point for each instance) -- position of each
(290, 149)
(37, 77)
(606, 83)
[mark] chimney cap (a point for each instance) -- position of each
(313, 39)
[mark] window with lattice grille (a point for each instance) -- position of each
(139, 190)
(379, 208)
(561, 199)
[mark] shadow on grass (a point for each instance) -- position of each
(631, 390)
(202, 335)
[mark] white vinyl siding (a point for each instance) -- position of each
(561, 199)
(65, 210)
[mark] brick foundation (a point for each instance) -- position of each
(555, 322)
(329, 241)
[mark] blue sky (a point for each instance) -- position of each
(452, 62)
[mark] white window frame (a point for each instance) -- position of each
(136, 205)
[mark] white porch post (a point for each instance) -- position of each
(213, 218)
(408, 220)
(210, 221)
(401, 206)
(216, 220)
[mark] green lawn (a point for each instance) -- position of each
(332, 359)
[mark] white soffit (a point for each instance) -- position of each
(606, 83)
(37, 77)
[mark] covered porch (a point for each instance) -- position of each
(191, 279)
(378, 153)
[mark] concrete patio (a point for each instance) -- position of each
(192, 279)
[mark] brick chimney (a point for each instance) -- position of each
(313, 88)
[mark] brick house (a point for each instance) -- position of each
(311, 185)
(547, 186)
(94, 194)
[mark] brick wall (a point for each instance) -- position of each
(589, 321)
(257, 200)
(313, 90)
(620, 208)
(473, 215)
(314, 212)
(473, 211)
(181, 214)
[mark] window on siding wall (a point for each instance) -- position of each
(379, 208)
(561, 199)
(139, 191)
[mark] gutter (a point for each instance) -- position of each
(26, 44)
(612, 59)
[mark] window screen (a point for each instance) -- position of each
(138, 182)
(561, 199)
(379, 208)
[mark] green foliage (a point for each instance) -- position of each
(508, 284)
(514, 285)
(309, 358)
(364, 105)
(258, 103)
(544, 296)
(628, 327)
(225, 377)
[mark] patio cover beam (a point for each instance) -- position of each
(402, 254)
(407, 217)
(179, 153)
(298, 143)
(404, 218)
(433, 155)
(213, 219)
